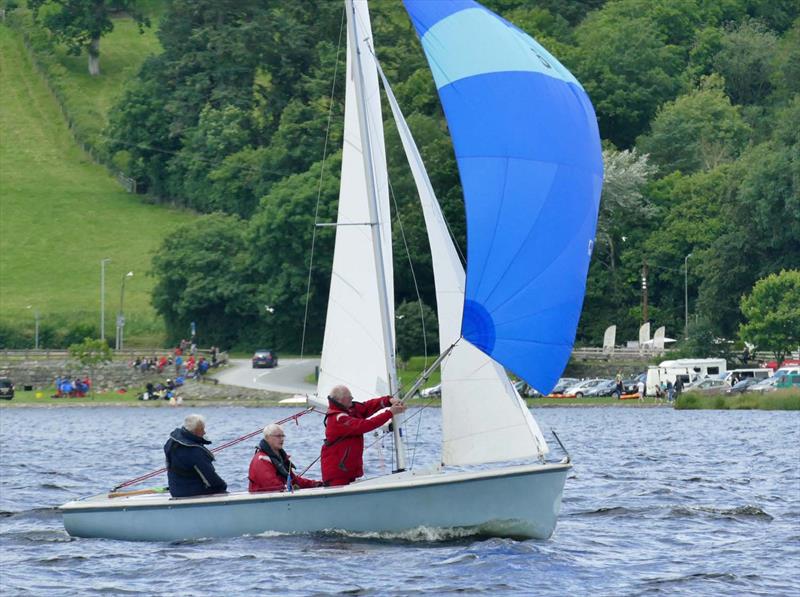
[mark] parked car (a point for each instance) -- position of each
(265, 358)
(525, 390)
(579, 389)
(632, 383)
(788, 381)
(563, 384)
(765, 385)
(741, 386)
(6, 388)
(432, 391)
(606, 387)
(707, 386)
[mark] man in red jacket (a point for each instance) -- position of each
(345, 425)
(271, 468)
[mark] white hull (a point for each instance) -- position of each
(520, 501)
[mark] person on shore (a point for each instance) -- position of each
(670, 391)
(271, 467)
(190, 464)
(641, 389)
(346, 422)
(620, 385)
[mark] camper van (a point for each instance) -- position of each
(740, 374)
(687, 370)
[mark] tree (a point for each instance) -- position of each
(627, 66)
(746, 61)
(81, 23)
(89, 354)
(697, 131)
(417, 330)
(199, 277)
(772, 311)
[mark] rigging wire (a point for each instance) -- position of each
(233, 442)
(319, 188)
(413, 273)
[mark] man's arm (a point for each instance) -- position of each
(344, 424)
(212, 481)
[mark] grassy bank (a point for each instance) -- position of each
(61, 214)
(779, 400)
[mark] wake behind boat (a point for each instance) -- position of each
(528, 152)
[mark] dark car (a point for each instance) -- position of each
(632, 384)
(265, 359)
(6, 388)
(741, 386)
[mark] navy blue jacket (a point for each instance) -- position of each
(190, 465)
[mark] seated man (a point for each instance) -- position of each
(190, 465)
(271, 469)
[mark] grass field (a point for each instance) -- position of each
(788, 399)
(60, 213)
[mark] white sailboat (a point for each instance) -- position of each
(495, 315)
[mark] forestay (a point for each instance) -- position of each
(528, 151)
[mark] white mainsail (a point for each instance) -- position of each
(483, 417)
(355, 349)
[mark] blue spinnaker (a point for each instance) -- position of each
(528, 151)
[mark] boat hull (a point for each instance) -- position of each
(521, 501)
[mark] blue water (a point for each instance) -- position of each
(660, 502)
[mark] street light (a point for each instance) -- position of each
(686, 295)
(103, 297)
(121, 316)
(270, 309)
(36, 327)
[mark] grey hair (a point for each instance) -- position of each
(339, 392)
(271, 428)
(192, 422)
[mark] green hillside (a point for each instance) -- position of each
(60, 214)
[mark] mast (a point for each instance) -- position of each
(369, 168)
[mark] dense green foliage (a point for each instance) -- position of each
(698, 104)
(773, 313)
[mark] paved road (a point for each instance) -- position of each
(288, 377)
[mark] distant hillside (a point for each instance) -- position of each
(60, 214)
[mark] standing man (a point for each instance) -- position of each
(345, 425)
(190, 465)
(641, 390)
(620, 385)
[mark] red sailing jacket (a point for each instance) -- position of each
(342, 453)
(264, 476)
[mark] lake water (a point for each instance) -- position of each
(659, 502)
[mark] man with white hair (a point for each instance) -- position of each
(190, 464)
(346, 422)
(271, 468)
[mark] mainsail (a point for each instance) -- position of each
(528, 151)
(356, 350)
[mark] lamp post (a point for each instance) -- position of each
(36, 327)
(121, 316)
(103, 297)
(686, 295)
(270, 309)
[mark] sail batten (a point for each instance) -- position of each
(528, 151)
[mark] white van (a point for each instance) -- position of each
(687, 370)
(740, 374)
